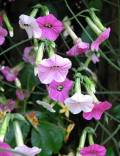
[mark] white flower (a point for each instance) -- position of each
(27, 150)
(79, 102)
(30, 25)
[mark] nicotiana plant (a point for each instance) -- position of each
(41, 124)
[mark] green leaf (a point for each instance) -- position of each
(28, 78)
(116, 112)
(49, 138)
(110, 152)
(97, 4)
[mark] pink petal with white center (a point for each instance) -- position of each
(101, 38)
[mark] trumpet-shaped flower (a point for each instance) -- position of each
(79, 102)
(59, 91)
(6, 147)
(101, 38)
(95, 58)
(28, 56)
(51, 27)
(54, 68)
(93, 150)
(3, 34)
(9, 74)
(27, 150)
(97, 111)
(30, 25)
(79, 48)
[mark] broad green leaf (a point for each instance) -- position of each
(50, 138)
(110, 152)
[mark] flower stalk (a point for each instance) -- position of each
(39, 55)
(4, 127)
(18, 134)
(8, 25)
(90, 138)
(77, 83)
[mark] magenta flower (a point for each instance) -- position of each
(59, 91)
(3, 34)
(28, 55)
(101, 38)
(9, 74)
(79, 48)
(1, 20)
(7, 147)
(27, 150)
(93, 150)
(97, 111)
(54, 68)
(8, 107)
(21, 95)
(51, 27)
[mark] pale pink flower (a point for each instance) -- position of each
(79, 102)
(101, 38)
(30, 25)
(97, 111)
(80, 47)
(27, 150)
(9, 74)
(22, 94)
(28, 56)
(59, 91)
(8, 106)
(6, 147)
(54, 68)
(51, 27)
(93, 150)
(3, 34)
(95, 58)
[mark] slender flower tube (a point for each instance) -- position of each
(8, 25)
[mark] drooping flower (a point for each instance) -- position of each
(54, 68)
(8, 106)
(93, 150)
(79, 102)
(3, 34)
(97, 111)
(95, 58)
(22, 94)
(30, 25)
(51, 27)
(28, 56)
(9, 74)
(6, 147)
(27, 150)
(80, 47)
(101, 38)
(59, 91)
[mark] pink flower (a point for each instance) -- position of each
(1, 20)
(8, 106)
(27, 150)
(3, 34)
(50, 26)
(95, 58)
(28, 55)
(101, 38)
(7, 147)
(79, 48)
(54, 68)
(30, 25)
(59, 91)
(97, 111)
(79, 102)
(93, 150)
(9, 74)
(21, 95)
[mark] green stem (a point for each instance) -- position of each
(77, 85)
(18, 134)
(4, 127)
(34, 12)
(39, 55)
(90, 138)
